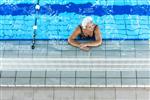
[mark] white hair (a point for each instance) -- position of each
(86, 20)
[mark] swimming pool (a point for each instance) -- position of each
(56, 19)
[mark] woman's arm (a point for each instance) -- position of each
(98, 39)
(71, 39)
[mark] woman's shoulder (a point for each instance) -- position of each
(97, 26)
(78, 29)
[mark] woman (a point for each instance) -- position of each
(86, 31)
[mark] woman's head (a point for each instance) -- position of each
(87, 23)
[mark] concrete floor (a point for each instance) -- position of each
(37, 93)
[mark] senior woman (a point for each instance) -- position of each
(86, 31)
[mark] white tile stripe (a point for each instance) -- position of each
(147, 86)
(73, 68)
(84, 59)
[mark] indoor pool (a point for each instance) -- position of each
(37, 63)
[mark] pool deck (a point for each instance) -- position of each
(75, 93)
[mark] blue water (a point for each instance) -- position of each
(56, 19)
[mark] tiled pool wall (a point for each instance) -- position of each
(61, 49)
(56, 19)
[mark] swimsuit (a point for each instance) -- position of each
(83, 37)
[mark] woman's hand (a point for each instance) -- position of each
(84, 47)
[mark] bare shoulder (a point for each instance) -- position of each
(77, 29)
(75, 33)
(97, 29)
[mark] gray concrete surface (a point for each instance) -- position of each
(75, 93)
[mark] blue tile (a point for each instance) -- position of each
(144, 26)
(120, 22)
(7, 27)
(145, 35)
(144, 2)
(118, 17)
(121, 27)
(118, 3)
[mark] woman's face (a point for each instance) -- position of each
(90, 26)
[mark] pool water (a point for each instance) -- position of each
(56, 19)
